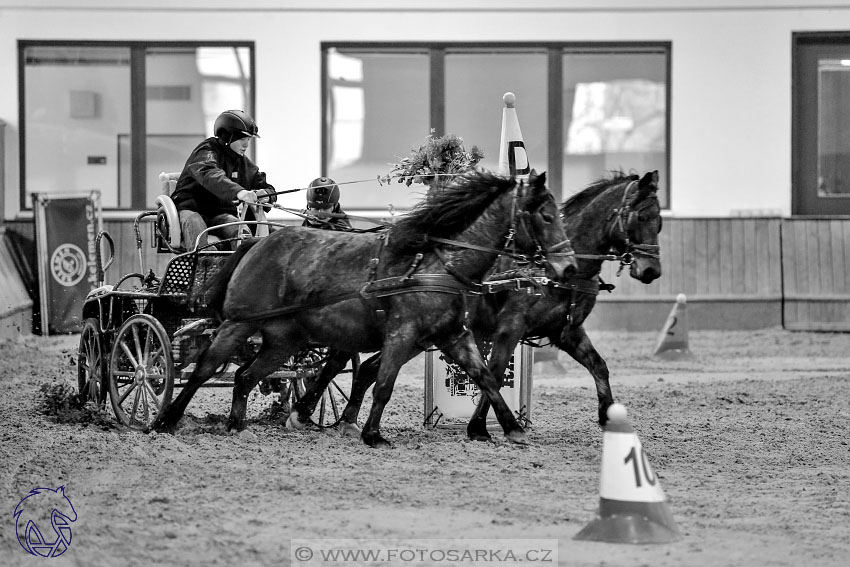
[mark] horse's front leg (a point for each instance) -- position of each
(504, 343)
(466, 353)
(227, 338)
(575, 342)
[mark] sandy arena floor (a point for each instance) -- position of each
(749, 439)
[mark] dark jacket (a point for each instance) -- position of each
(329, 223)
(212, 177)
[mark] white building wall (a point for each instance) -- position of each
(731, 70)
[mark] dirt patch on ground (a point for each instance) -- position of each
(749, 439)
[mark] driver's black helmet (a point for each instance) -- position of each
(322, 193)
(232, 125)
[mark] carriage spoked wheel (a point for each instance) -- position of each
(329, 408)
(90, 364)
(141, 371)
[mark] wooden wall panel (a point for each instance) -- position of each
(815, 273)
(802, 265)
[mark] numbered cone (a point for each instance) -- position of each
(632, 506)
(673, 340)
(513, 160)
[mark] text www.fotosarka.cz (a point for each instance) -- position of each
(411, 552)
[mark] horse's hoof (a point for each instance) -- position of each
(376, 441)
(236, 425)
(160, 426)
(517, 437)
(479, 436)
(349, 430)
(292, 422)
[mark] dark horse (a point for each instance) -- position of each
(615, 218)
(619, 217)
(397, 292)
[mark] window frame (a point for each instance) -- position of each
(138, 106)
(805, 48)
(555, 51)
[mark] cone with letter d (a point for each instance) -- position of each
(513, 159)
(632, 506)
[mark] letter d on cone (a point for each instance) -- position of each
(513, 160)
(632, 506)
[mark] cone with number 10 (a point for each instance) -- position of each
(632, 506)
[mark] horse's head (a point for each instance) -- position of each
(539, 227)
(635, 227)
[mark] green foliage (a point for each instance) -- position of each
(440, 157)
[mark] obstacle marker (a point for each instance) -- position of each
(673, 339)
(632, 506)
(513, 159)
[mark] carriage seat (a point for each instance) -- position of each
(168, 219)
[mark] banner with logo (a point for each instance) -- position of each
(66, 228)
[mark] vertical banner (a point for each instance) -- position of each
(451, 395)
(66, 228)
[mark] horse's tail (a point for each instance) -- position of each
(213, 292)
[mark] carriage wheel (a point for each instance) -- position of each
(90, 364)
(141, 371)
(328, 412)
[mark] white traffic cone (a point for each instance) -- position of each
(632, 506)
(513, 159)
(673, 340)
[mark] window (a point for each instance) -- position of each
(615, 115)
(821, 124)
(585, 110)
(376, 109)
(476, 79)
(110, 116)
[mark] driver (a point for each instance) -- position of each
(217, 174)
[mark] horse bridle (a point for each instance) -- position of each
(624, 218)
(519, 220)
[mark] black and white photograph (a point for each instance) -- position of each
(356, 283)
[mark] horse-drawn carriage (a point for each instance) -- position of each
(398, 293)
(142, 335)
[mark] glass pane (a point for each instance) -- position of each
(614, 117)
(377, 111)
(475, 84)
(77, 102)
(833, 127)
(187, 88)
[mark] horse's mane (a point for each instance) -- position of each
(589, 193)
(447, 211)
